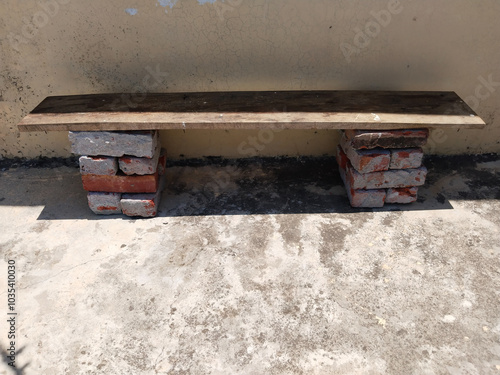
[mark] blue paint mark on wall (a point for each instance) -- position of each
(131, 11)
(167, 3)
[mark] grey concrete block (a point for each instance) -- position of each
(144, 205)
(100, 165)
(134, 143)
(396, 178)
(104, 203)
(141, 166)
(360, 198)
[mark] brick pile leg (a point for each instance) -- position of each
(123, 172)
(380, 167)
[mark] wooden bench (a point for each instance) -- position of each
(345, 110)
(253, 110)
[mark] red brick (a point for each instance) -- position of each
(360, 198)
(366, 161)
(368, 139)
(406, 158)
(402, 195)
(162, 162)
(396, 178)
(381, 180)
(342, 159)
(144, 205)
(131, 165)
(120, 183)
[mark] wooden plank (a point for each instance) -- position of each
(253, 110)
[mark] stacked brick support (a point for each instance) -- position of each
(123, 172)
(380, 167)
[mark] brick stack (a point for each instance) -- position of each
(380, 167)
(123, 172)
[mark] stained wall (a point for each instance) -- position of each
(63, 47)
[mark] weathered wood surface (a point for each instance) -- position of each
(253, 110)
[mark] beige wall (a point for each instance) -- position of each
(57, 47)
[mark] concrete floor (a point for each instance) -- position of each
(255, 267)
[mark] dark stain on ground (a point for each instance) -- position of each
(441, 198)
(290, 230)
(375, 272)
(40, 162)
(40, 227)
(281, 187)
(389, 220)
(483, 184)
(286, 185)
(333, 236)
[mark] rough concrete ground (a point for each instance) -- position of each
(255, 267)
